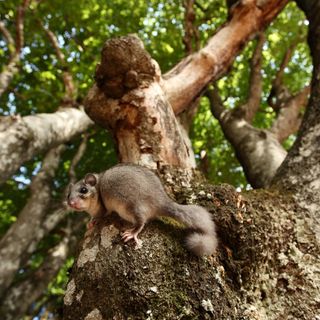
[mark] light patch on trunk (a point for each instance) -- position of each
(107, 234)
(71, 288)
(87, 255)
(95, 314)
(79, 296)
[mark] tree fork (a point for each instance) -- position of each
(128, 100)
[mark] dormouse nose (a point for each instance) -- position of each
(71, 202)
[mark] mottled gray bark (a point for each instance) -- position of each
(22, 138)
(258, 151)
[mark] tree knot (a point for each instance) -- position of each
(125, 65)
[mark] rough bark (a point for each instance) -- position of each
(300, 172)
(22, 138)
(129, 101)
(262, 268)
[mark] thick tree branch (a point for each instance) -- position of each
(261, 254)
(186, 80)
(22, 138)
(257, 150)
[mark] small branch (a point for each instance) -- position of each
(191, 32)
(248, 110)
(7, 35)
(20, 25)
(70, 90)
(255, 90)
(290, 116)
(279, 93)
(78, 156)
(14, 48)
(216, 104)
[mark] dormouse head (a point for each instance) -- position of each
(84, 195)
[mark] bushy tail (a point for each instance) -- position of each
(203, 240)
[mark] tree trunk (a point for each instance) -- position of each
(264, 264)
(129, 101)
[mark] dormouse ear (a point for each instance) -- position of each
(91, 179)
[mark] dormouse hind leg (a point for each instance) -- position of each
(133, 234)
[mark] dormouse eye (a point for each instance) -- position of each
(84, 190)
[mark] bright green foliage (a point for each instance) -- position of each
(82, 26)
